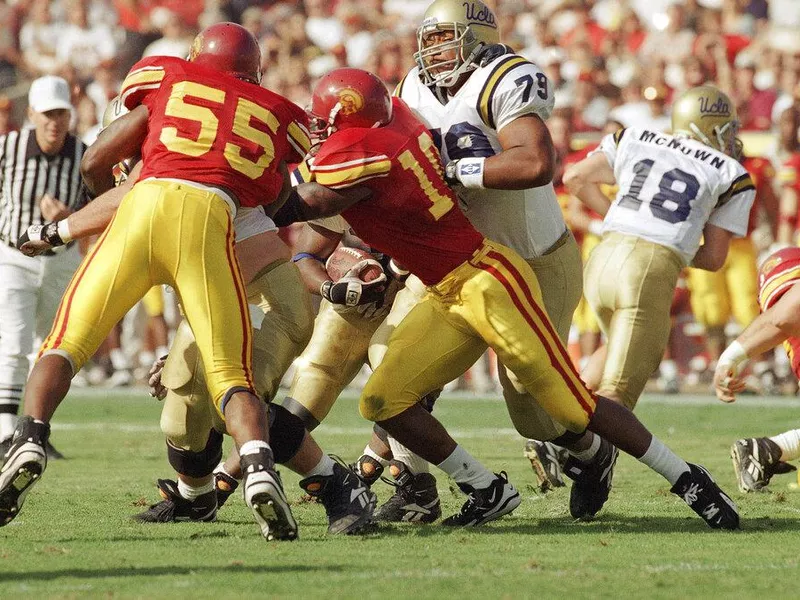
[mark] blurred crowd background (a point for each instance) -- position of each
(613, 62)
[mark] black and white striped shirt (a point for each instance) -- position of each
(27, 173)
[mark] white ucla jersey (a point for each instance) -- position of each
(669, 188)
(529, 221)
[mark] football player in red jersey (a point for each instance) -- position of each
(210, 122)
(380, 168)
(756, 460)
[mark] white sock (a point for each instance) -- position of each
(384, 462)
(324, 467)
(8, 423)
(664, 461)
(192, 493)
(587, 455)
(118, 360)
(415, 464)
(220, 468)
(146, 358)
(464, 468)
(668, 369)
(253, 446)
(789, 444)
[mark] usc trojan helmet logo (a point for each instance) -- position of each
(351, 101)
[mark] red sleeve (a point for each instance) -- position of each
(297, 133)
(343, 162)
(144, 78)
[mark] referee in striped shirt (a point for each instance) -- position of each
(39, 182)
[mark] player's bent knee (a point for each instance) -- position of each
(286, 433)
(293, 406)
(196, 464)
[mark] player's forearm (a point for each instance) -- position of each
(309, 201)
(518, 169)
(313, 274)
(93, 218)
(592, 196)
(762, 335)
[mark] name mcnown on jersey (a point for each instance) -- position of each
(708, 156)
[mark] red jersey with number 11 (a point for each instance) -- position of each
(413, 215)
(208, 127)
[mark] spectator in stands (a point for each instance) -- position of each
(37, 40)
(82, 46)
(175, 40)
(753, 105)
(9, 55)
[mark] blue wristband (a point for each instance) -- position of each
(301, 255)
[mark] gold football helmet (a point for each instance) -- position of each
(473, 26)
(114, 110)
(707, 115)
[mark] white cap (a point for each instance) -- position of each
(49, 93)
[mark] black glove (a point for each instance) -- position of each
(38, 239)
(350, 290)
(490, 52)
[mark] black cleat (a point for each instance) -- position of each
(591, 481)
(224, 486)
(175, 508)
(755, 461)
(52, 453)
(415, 499)
(369, 469)
(547, 462)
(24, 462)
(486, 504)
(263, 493)
(348, 502)
(698, 490)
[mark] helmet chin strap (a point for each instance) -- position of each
(332, 117)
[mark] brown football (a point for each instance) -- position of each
(343, 259)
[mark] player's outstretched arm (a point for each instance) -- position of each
(309, 201)
(770, 328)
(584, 178)
(712, 254)
(119, 141)
(92, 219)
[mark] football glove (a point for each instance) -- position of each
(38, 239)
(465, 171)
(350, 290)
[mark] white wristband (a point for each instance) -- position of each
(735, 355)
(470, 172)
(596, 227)
(63, 231)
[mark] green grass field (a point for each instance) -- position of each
(74, 537)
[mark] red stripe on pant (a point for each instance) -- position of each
(242, 300)
(523, 284)
(66, 306)
(526, 315)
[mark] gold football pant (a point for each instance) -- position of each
(492, 300)
(163, 233)
(585, 319)
(629, 285)
(560, 277)
(342, 342)
(282, 320)
(731, 291)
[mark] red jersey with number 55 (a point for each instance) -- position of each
(208, 127)
(412, 215)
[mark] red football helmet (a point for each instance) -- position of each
(230, 48)
(349, 98)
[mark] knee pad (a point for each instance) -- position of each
(293, 406)
(286, 433)
(197, 464)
